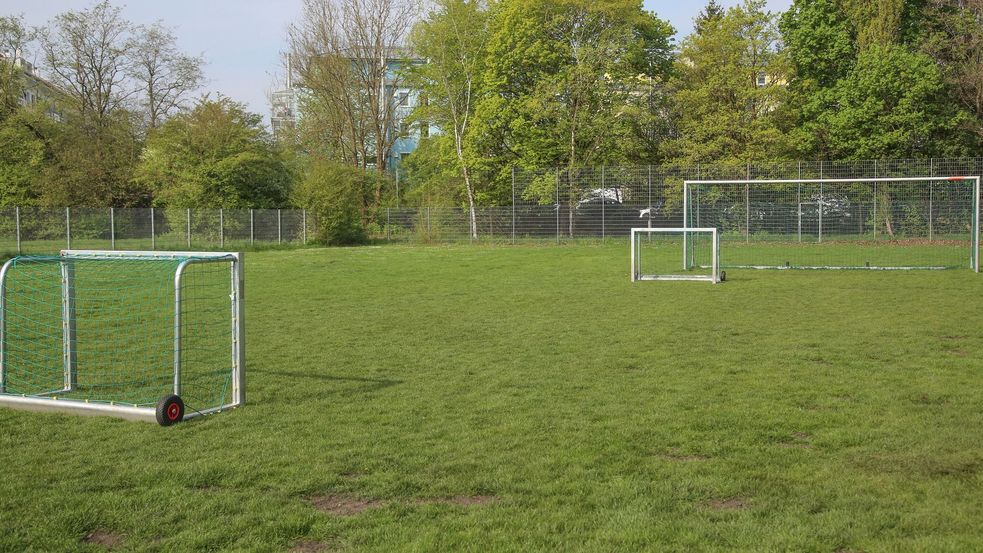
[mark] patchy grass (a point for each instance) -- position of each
(533, 399)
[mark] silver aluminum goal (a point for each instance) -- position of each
(662, 254)
(843, 223)
(133, 334)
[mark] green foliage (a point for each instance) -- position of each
(892, 104)
(25, 151)
(567, 82)
(216, 155)
(336, 194)
(723, 113)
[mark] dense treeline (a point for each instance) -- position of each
(109, 121)
(526, 83)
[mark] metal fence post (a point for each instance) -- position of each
(189, 228)
(112, 228)
(68, 226)
(429, 237)
(513, 204)
(252, 228)
(303, 214)
(558, 205)
(153, 232)
(221, 227)
(17, 224)
(279, 228)
(931, 194)
(388, 230)
(604, 192)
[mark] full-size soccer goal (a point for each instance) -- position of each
(138, 335)
(855, 223)
(656, 254)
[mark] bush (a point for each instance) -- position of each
(336, 194)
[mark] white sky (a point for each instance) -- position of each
(242, 39)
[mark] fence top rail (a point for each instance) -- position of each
(838, 180)
(138, 254)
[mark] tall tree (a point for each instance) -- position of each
(347, 54)
(164, 75)
(86, 55)
(954, 39)
(13, 37)
(567, 79)
(452, 38)
(729, 89)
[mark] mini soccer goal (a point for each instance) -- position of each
(675, 254)
(852, 223)
(138, 335)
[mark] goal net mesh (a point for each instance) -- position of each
(926, 223)
(121, 317)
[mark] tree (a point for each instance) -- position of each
(164, 75)
(566, 79)
(452, 38)
(729, 89)
(216, 155)
(710, 15)
(892, 104)
(954, 39)
(893, 78)
(13, 37)
(86, 55)
(347, 54)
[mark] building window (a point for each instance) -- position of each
(403, 98)
(762, 78)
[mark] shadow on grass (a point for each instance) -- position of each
(364, 384)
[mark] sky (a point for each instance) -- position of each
(241, 40)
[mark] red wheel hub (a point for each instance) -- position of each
(173, 411)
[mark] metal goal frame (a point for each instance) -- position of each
(50, 402)
(684, 232)
(974, 234)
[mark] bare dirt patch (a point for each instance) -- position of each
(310, 546)
(344, 505)
(729, 504)
(460, 500)
(959, 352)
(805, 437)
(106, 539)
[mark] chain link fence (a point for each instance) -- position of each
(38, 230)
(547, 205)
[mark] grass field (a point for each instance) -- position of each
(533, 399)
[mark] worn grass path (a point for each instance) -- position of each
(533, 399)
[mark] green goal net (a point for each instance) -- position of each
(104, 330)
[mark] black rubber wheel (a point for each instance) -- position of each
(723, 276)
(170, 410)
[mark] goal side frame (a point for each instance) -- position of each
(52, 403)
(974, 248)
(684, 233)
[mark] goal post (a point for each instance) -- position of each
(841, 223)
(133, 334)
(675, 254)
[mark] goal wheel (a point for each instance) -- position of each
(170, 410)
(723, 276)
